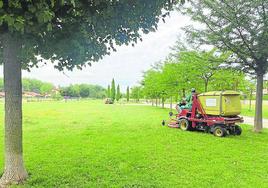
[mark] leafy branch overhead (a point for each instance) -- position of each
(74, 33)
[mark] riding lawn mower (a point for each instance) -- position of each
(214, 112)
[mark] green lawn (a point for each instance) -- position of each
(89, 144)
(247, 112)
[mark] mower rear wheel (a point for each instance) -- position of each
(184, 125)
(219, 131)
(238, 130)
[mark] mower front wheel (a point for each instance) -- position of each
(184, 124)
(220, 131)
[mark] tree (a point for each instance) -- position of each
(228, 79)
(46, 88)
(136, 93)
(202, 64)
(127, 94)
(118, 94)
(71, 34)
(84, 90)
(241, 27)
(109, 91)
(248, 87)
(150, 83)
(113, 92)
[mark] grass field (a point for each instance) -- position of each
(89, 144)
(247, 112)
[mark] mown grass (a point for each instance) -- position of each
(246, 111)
(89, 144)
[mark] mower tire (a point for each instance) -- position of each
(238, 130)
(219, 131)
(184, 124)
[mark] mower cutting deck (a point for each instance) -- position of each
(197, 119)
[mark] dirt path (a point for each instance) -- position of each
(250, 121)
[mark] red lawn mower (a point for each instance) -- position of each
(220, 121)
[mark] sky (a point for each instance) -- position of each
(125, 66)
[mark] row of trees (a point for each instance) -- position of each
(202, 70)
(114, 93)
(33, 85)
(136, 92)
(83, 90)
(76, 90)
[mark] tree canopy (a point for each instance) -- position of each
(136, 93)
(191, 69)
(73, 33)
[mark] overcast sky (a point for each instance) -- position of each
(125, 65)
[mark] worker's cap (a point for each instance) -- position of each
(193, 89)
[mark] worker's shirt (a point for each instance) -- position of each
(189, 98)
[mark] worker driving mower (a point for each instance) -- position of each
(213, 112)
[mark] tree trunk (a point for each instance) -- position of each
(258, 107)
(206, 85)
(236, 85)
(14, 171)
(171, 104)
(183, 92)
(250, 99)
(176, 98)
(163, 102)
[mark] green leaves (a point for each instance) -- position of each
(136, 93)
(83, 90)
(127, 94)
(9, 19)
(238, 26)
(202, 70)
(44, 16)
(118, 93)
(73, 33)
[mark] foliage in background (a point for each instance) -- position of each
(113, 91)
(202, 70)
(127, 95)
(33, 85)
(202, 65)
(118, 93)
(136, 93)
(84, 91)
(109, 91)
